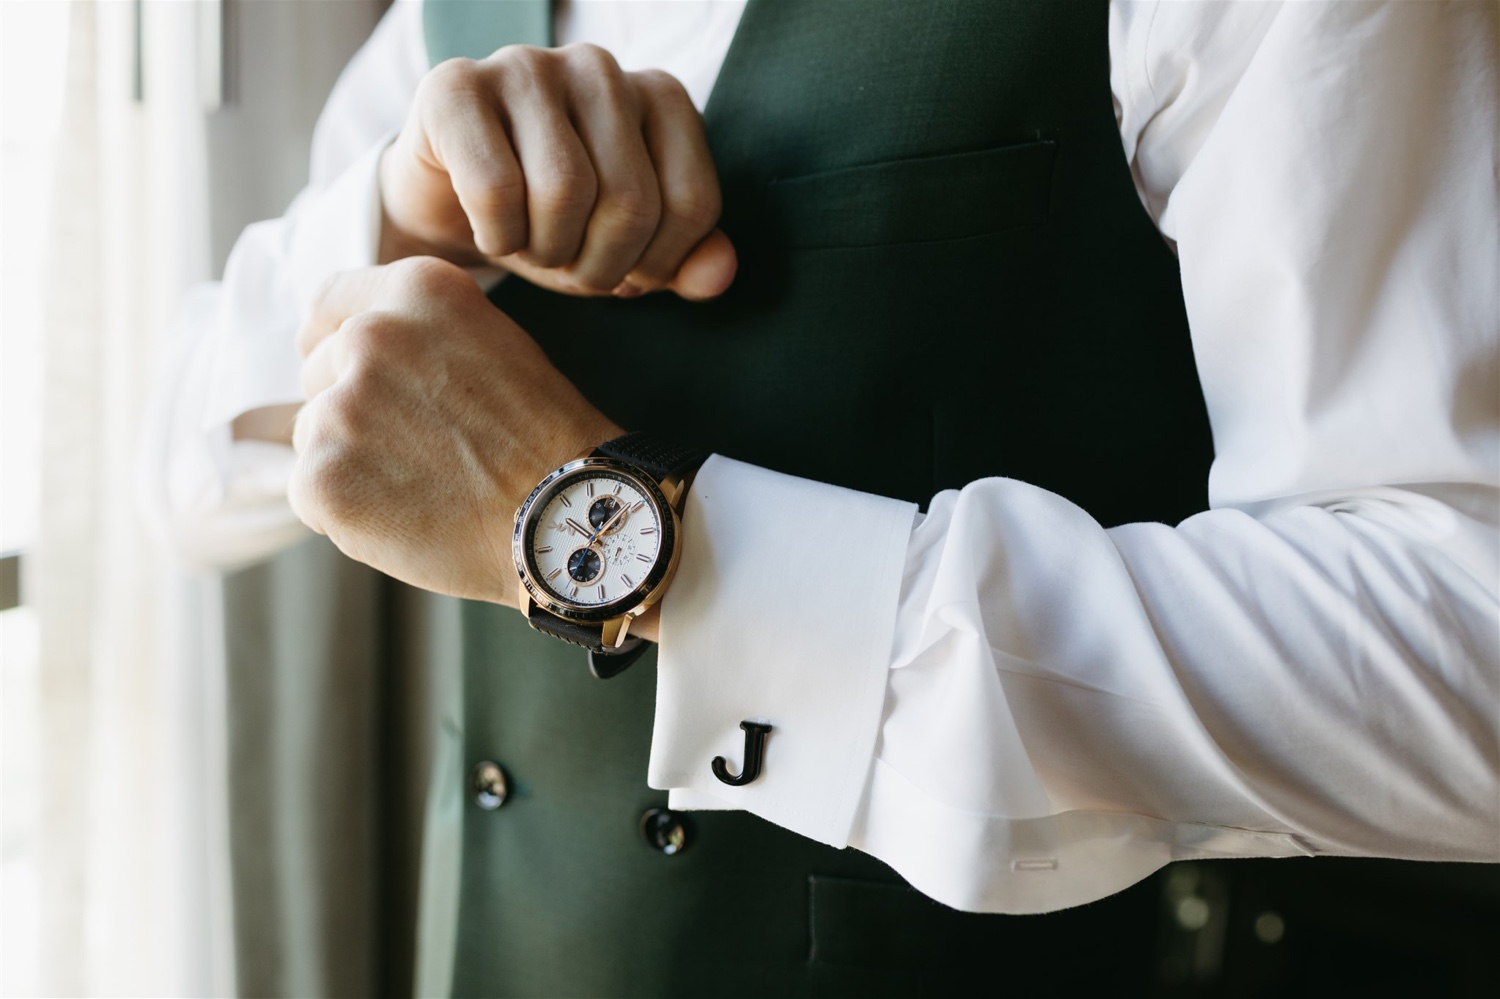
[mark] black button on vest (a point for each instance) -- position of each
(665, 831)
(489, 786)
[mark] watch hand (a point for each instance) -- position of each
(610, 523)
(575, 525)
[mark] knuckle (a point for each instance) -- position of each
(499, 197)
(365, 335)
(611, 90)
(591, 59)
(349, 419)
(526, 57)
(450, 78)
(659, 86)
(564, 190)
(325, 480)
(633, 211)
(430, 277)
(697, 204)
(363, 392)
(327, 486)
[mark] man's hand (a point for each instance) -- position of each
(559, 166)
(430, 417)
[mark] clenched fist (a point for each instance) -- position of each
(559, 166)
(430, 416)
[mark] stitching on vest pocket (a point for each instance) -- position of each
(914, 200)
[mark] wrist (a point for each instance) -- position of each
(563, 442)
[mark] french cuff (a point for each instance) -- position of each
(782, 612)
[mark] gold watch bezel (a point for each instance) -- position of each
(614, 615)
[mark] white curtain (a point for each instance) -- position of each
(130, 837)
(130, 849)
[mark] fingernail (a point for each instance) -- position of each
(628, 290)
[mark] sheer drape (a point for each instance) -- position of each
(125, 857)
(141, 778)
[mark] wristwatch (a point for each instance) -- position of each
(595, 544)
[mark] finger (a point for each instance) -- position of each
(628, 207)
(344, 294)
(306, 423)
(690, 196)
(326, 364)
(297, 489)
(464, 129)
(560, 181)
(267, 423)
(708, 271)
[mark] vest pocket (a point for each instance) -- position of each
(914, 200)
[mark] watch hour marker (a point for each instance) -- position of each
(543, 551)
(554, 574)
(574, 593)
(643, 558)
(563, 497)
(601, 591)
(591, 489)
(648, 530)
(626, 580)
(618, 486)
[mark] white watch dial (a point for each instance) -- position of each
(595, 539)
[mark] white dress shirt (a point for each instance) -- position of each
(1015, 708)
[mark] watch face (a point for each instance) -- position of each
(593, 539)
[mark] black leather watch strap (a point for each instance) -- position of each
(659, 458)
(603, 663)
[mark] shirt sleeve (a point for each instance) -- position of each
(214, 501)
(1019, 710)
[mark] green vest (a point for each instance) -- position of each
(945, 274)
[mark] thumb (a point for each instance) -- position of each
(708, 271)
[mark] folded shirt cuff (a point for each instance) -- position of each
(782, 611)
(270, 279)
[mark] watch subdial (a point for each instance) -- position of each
(585, 566)
(602, 510)
(620, 551)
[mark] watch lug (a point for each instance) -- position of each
(523, 601)
(612, 633)
(672, 488)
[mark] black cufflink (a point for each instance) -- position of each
(755, 750)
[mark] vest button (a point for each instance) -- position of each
(488, 785)
(665, 830)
